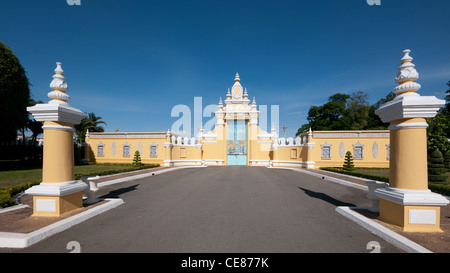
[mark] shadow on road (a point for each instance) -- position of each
(326, 198)
(118, 192)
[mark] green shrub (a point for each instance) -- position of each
(447, 160)
(436, 168)
(358, 174)
(348, 163)
(6, 200)
(137, 159)
(439, 188)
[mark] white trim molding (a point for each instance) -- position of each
(412, 197)
(409, 125)
(57, 189)
(58, 127)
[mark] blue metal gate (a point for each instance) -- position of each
(237, 142)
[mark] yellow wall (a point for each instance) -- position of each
(260, 151)
(133, 140)
(369, 160)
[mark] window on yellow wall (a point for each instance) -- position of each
(126, 149)
(100, 149)
(358, 151)
(154, 150)
(326, 150)
(183, 152)
(293, 153)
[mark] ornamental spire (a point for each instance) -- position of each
(59, 87)
(237, 79)
(406, 76)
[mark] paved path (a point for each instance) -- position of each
(223, 209)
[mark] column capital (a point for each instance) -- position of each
(410, 107)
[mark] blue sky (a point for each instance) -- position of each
(132, 61)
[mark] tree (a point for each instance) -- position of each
(447, 98)
(346, 112)
(447, 160)
(438, 132)
(95, 123)
(92, 123)
(373, 120)
(358, 110)
(327, 116)
(137, 159)
(436, 168)
(14, 94)
(348, 163)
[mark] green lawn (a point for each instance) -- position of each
(16, 177)
(382, 174)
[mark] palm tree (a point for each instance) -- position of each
(96, 121)
(92, 123)
(36, 129)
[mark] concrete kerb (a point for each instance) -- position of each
(329, 178)
(21, 240)
(140, 176)
(381, 231)
(377, 229)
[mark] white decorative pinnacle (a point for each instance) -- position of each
(406, 75)
(220, 104)
(59, 87)
(253, 107)
(236, 79)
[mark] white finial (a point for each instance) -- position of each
(229, 94)
(236, 79)
(220, 103)
(59, 87)
(245, 93)
(406, 76)
(58, 69)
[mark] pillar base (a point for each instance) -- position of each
(411, 210)
(56, 199)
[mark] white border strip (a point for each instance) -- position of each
(140, 176)
(381, 231)
(329, 178)
(21, 240)
(13, 208)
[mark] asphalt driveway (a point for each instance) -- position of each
(222, 210)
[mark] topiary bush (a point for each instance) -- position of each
(348, 163)
(137, 159)
(447, 161)
(436, 168)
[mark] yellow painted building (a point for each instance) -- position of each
(237, 139)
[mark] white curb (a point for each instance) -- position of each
(139, 176)
(381, 231)
(21, 240)
(329, 178)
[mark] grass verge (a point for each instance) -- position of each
(16, 181)
(382, 174)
